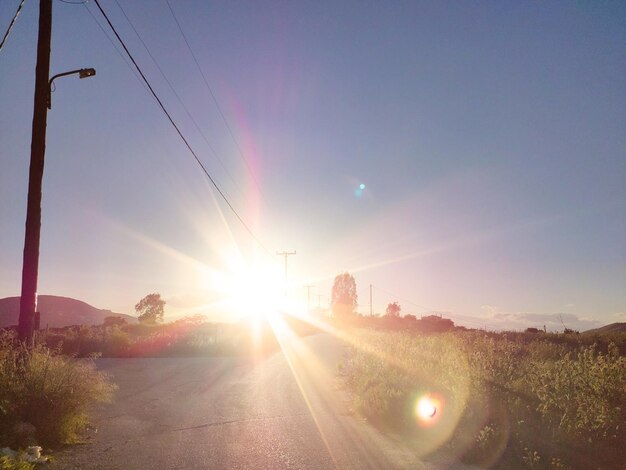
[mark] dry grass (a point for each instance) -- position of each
(45, 397)
(511, 401)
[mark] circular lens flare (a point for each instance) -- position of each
(426, 408)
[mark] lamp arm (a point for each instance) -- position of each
(71, 72)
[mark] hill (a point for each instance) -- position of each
(611, 328)
(57, 312)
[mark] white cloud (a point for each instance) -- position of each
(490, 310)
(551, 321)
(492, 319)
(619, 316)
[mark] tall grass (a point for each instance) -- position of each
(511, 401)
(45, 397)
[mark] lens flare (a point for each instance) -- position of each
(426, 408)
(362, 186)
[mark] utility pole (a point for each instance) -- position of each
(371, 304)
(286, 254)
(308, 296)
(30, 267)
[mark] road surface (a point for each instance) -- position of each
(287, 411)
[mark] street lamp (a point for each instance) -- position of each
(43, 84)
(82, 73)
(29, 318)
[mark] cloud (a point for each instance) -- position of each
(551, 321)
(493, 319)
(619, 316)
(490, 310)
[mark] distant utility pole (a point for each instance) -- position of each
(319, 300)
(371, 304)
(30, 267)
(286, 254)
(308, 296)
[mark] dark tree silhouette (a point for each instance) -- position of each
(393, 310)
(343, 295)
(410, 321)
(435, 324)
(150, 309)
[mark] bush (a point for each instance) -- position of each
(11, 463)
(116, 342)
(513, 400)
(45, 395)
(583, 396)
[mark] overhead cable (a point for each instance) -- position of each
(116, 47)
(6, 35)
(400, 298)
(178, 131)
(217, 104)
(195, 123)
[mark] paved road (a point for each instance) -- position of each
(285, 411)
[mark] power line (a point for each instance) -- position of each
(178, 131)
(462, 319)
(217, 104)
(286, 254)
(404, 300)
(308, 296)
(6, 35)
(195, 123)
(116, 47)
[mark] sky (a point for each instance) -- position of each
(489, 138)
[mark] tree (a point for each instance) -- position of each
(393, 310)
(150, 309)
(343, 295)
(435, 324)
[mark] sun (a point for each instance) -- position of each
(255, 291)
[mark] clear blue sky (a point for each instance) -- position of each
(490, 137)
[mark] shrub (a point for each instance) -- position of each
(390, 369)
(15, 463)
(514, 396)
(45, 393)
(116, 342)
(583, 395)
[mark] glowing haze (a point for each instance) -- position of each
(462, 158)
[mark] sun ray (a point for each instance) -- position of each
(287, 338)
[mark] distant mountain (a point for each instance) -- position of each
(611, 328)
(57, 312)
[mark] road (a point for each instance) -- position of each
(282, 412)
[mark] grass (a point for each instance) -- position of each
(506, 401)
(15, 463)
(44, 396)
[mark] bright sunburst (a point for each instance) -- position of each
(254, 291)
